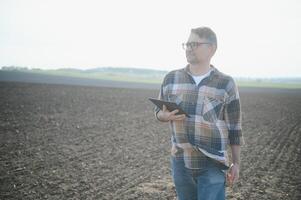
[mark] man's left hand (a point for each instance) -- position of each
(233, 174)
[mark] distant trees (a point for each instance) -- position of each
(13, 68)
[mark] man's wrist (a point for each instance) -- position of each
(158, 114)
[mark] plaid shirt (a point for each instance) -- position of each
(215, 116)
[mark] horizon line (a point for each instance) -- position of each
(140, 68)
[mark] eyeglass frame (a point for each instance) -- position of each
(196, 45)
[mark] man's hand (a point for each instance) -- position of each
(233, 174)
(165, 116)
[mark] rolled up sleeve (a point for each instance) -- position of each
(232, 114)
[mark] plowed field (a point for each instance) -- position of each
(80, 142)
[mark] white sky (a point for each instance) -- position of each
(255, 38)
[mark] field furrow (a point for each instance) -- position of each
(74, 142)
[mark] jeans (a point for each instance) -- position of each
(192, 184)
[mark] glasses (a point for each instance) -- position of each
(193, 45)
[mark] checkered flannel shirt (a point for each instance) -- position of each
(215, 116)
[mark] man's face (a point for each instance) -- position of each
(201, 53)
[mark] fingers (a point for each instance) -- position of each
(235, 178)
(232, 175)
(174, 112)
(178, 117)
(164, 108)
(235, 174)
(172, 115)
(230, 179)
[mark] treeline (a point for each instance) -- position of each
(135, 71)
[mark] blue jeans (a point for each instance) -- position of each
(205, 184)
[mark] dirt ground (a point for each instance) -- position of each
(80, 142)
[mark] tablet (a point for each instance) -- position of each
(171, 106)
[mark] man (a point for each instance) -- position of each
(199, 143)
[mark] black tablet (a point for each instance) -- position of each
(171, 106)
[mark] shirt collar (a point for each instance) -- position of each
(213, 71)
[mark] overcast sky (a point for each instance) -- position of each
(255, 38)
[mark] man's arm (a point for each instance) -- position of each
(233, 174)
(233, 121)
(235, 149)
(159, 116)
(232, 114)
(164, 115)
(157, 110)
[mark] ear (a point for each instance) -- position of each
(213, 49)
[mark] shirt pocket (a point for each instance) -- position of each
(212, 108)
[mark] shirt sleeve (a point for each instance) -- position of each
(161, 97)
(232, 114)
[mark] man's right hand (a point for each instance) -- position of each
(165, 115)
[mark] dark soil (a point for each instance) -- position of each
(79, 142)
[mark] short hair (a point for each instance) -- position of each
(206, 33)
